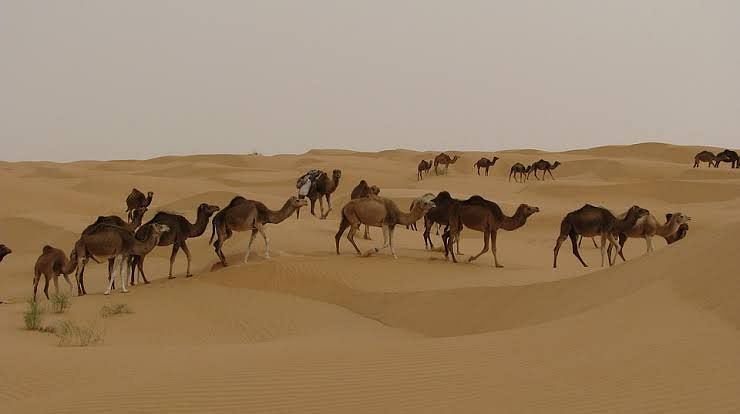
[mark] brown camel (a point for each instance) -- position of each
(485, 163)
(519, 170)
(590, 221)
(440, 215)
(444, 159)
(423, 168)
(364, 190)
(710, 159)
(181, 230)
(106, 241)
(137, 216)
(683, 229)
(244, 215)
(137, 199)
(544, 166)
(323, 188)
(477, 213)
(4, 251)
(647, 227)
(52, 263)
(377, 212)
(728, 156)
(136, 261)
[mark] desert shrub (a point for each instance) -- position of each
(60, 303)
(73, 334)
(33, 316)
(108, 311)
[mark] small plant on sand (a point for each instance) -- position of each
(60, 303)
(33, 315)
(72, 334)
(108, 311)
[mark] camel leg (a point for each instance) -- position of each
(493, 249)
(261, 229)
(614, 243)
(426, 235)
(69, 282)
(573, 239)
(328, 206)
(185, 249)
(321, 206)
(46, 287)
(249, 245)
(80, 276)
(556, 250)
(649, 242)
(113, 277)
(123, 265)
(550, 172)
(367, 232)
(486, 236)
(56, 285)
(390, 242)
(603, 250)
(140, 266)
(351, 237)
(175, 249)
(36, 279)
(385, 241)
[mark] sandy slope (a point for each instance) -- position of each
(312, 332)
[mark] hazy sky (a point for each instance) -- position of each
(134, 79)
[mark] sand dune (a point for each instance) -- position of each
(309, 331)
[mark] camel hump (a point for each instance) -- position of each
(47, 249)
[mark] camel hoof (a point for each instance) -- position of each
(188, 276)
(470, 259)
(124, 291)
(395, 257)
(107, 292)
(146, 282)
(172, 277)
(499, 266)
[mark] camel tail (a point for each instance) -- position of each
(343, 225)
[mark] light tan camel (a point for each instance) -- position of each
(479, 214)
(683, 229)
(444, 159)
(646, 228)
(52, 263)
(364, 190)
(136, 199)
(378, 212)
(245, 215)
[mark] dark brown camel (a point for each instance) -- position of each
(543, 166)
(709, 158)
(52, 263)
(364, 190)
(728, 156)
(423, 168)
(485, 163)
(444, 159)
(137, 199)
(4, 251)
(519, 170)
(440, 215)
(477, 213)
(245, 215)
(181, 230)
(323, 188)
(137, 216)
(591, 221)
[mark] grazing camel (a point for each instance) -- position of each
(444, 159)
(647, 227)
(378, 212)
(477, 213)
(683, 229)
(590, 221)
(323, 188)
(728, 156)
(181, 230)
(244, 215)
(519, 170)
(708, 157)
(4, 251)
(135, 200)
(428, 197)
(364, 190)
(423, 167)
(485, 163)
(544, 166)
(106, 241)
(52, 263)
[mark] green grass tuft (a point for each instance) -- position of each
(108, 311)
(33, 316)
(73, 334)
(60, 303)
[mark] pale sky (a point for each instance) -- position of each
(137, 79)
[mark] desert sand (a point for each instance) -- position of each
(310, 331)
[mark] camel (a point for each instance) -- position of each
(136, 217)
(477, 213)
(378, 212)
(364, 190)
(590, 221)
(647, 227)
(136, 199)
(485, 163)
(52, 263)
(545, 166)
(709, 158)
(444, 159)
(519, 170)
(4, 251)
(728, 156)
(180, 231)
(427, 196)
(423, 167)
(440, 214)
(244, 215)
(683, 229)
(106, 241)
(323, 188)
(136, 261)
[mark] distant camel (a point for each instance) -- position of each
(590, 221)
(477, 213)
(323, 188)
(249, 215)
(683, 229)
(4, 251)
(106, 241)
(519, 170)
(440, 214)
(52, 263)
(428, 197)
(485, 163)
(543, 166)
(647, 227)
(444, 159)
(378, 212)
(709, 158)
(181, 230)
(364, 190)
(423, 167)
(137, 199)
(728, 156)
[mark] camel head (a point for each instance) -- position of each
(4, 251)
(528, 169)
(680, 218)
(639, 211)
(296, 202)
(336, 174)
(454, 159)
(424, 204)
(527, 210)
(207, 209)
(554, 166)
(375, 190)
(138, 213)
(495, 158)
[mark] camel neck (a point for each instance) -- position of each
(513, 222)
(411, 217)
(669, 228)
(278, 216)
(200, 225)
(69, 265)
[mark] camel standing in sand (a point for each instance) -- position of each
(244, 215)
(646, 228)
(683, 229)
(4, 251)
(709, 158)
(364, 190)
(543, 166)
(378, 212)
(323, 188)
(135, 200)
(728, 156)
(519, 170)
(423, 167)
(477, 213)
(52, 263)
(444, 159)
(181, 230)
(440, 215)
(106, 241)
(590, 221)
(485, 163)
